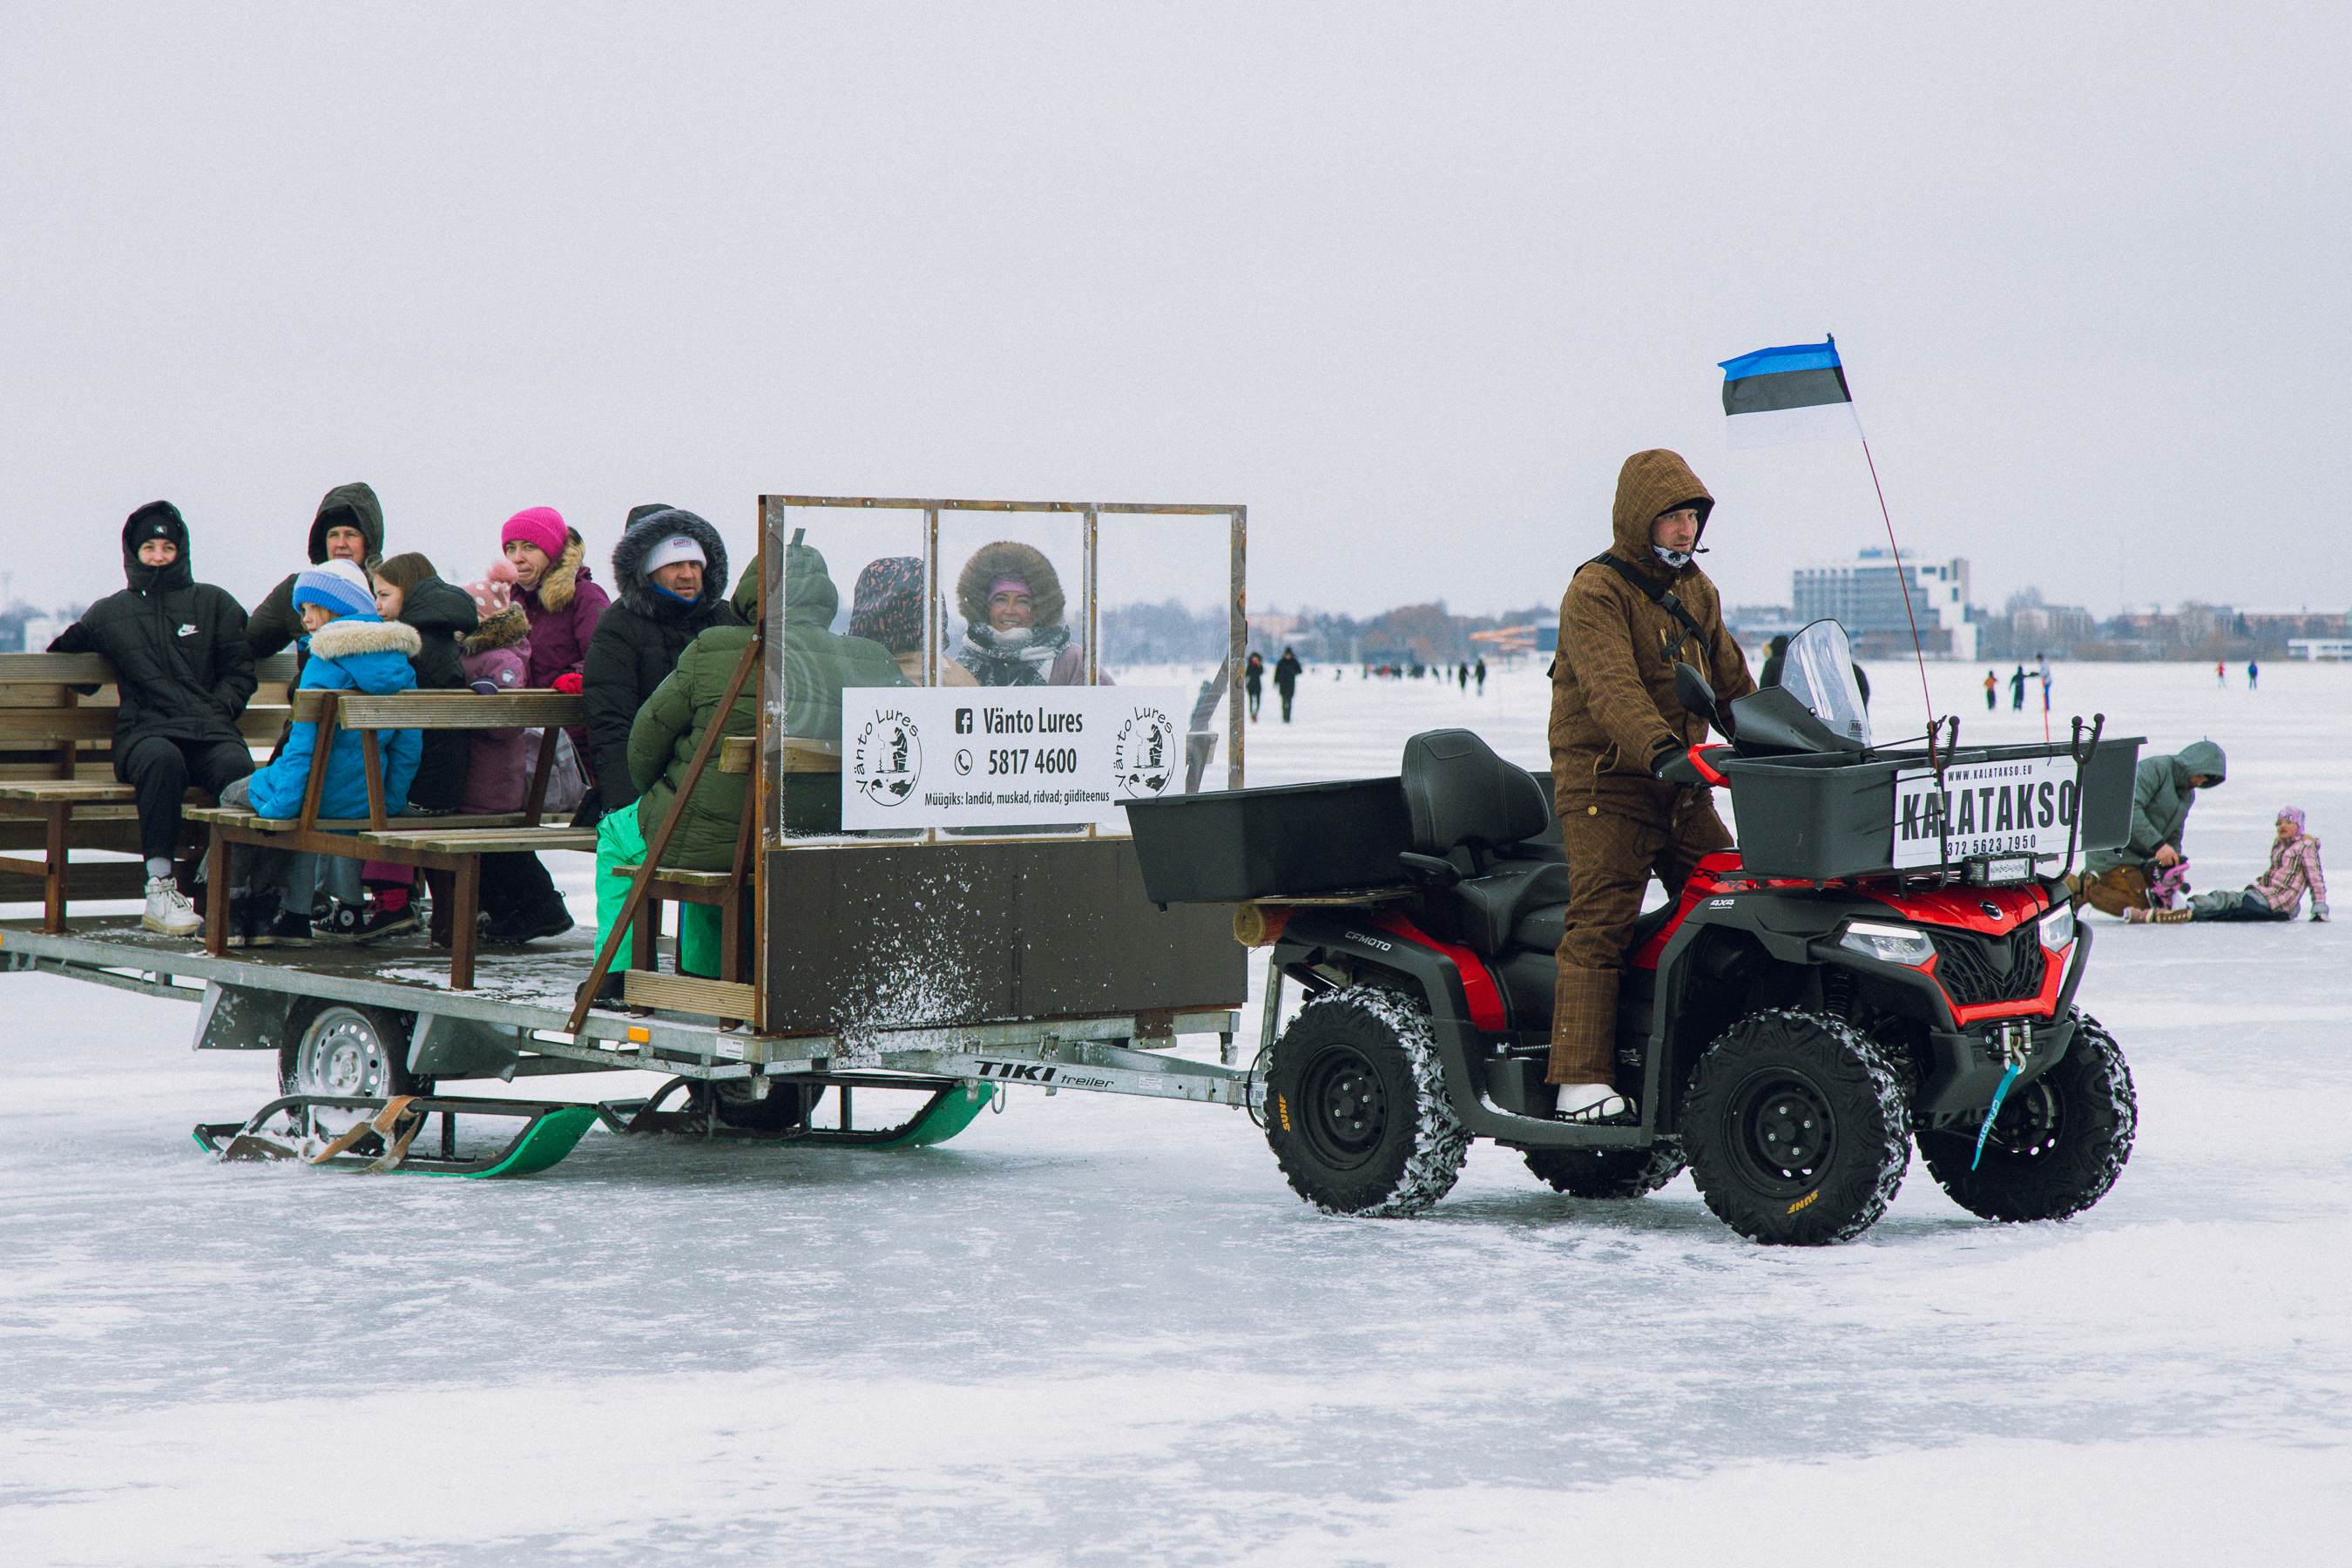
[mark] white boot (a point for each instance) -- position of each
(1590, 1102)
(168, 911)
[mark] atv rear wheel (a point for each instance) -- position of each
(1356, 1107)
(1608, 1173)
(2058, 1144)
(1798, 1130)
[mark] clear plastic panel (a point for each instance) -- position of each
(853, 617)
(1819, 670)
(1165, 582)
(1014, 582)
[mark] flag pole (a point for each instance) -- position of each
(1902, 577)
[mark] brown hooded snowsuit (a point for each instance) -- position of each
(1613, 712)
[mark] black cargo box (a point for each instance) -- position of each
(1825, 815)
(1223, 846)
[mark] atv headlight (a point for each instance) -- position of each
(1894, 944)
(2058, 928)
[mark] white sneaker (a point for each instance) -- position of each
(168, 911)
(1590, 1102)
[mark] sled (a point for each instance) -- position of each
(952, 1104)
(385, 1137)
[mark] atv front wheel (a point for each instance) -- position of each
(1356, 1107)
(1798, 1130)
(2058, 1144)
(1607, 1173)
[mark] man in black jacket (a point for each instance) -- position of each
(185, 673)
(670, 572)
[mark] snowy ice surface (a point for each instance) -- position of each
(1102, 1331)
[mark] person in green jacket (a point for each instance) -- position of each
(818, 664)
(2116, 881)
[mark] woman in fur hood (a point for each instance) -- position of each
(1012, 603)
(555, 589)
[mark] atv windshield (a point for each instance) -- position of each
(1818, 673)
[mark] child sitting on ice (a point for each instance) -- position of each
(2293, 870)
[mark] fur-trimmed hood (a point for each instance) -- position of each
(1010, 558)
(347, 635)
(637, 591)
(563, 579)
(509, 627)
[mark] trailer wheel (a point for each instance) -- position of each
(1608, 1173)
(354, 1052)
(1799, 1132)
(1356, 1107)
(2058, 1145)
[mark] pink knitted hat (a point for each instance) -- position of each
(539, 525)
(495, 592)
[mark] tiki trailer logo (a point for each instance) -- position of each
(1145, 754)
(886, 762)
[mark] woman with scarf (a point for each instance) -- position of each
(1011, 602)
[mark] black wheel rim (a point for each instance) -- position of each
(1780, 1133)
(2028, 1128)
(1343, 1109)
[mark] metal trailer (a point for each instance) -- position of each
(1065, 977)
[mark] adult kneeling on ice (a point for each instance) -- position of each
(2117, 881)
(1615, 723)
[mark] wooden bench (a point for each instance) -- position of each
(57, 790)
(453, 844)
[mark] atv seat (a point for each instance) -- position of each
(1459, 795)
(1541, 928)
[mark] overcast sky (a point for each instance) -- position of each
(1409, 281)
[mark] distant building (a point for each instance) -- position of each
(1866, 598)
(2331, 648)
(40, 633)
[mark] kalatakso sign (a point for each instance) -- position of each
(2024, 807)
(969, 756)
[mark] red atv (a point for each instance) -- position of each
(1807, 1008)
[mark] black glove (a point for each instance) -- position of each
(1686, 765)
(592, 809)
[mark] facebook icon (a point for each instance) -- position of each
(963, 721)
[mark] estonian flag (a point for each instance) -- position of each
(1796, 394)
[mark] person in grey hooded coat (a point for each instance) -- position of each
(2164, 789)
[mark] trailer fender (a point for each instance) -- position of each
(241, 1018)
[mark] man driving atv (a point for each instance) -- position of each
(1628, 617)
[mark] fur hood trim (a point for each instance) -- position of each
(349, 635)
(505, 629)
(1010, 558)
(563, 579)
(637, 541)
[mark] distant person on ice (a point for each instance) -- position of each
(1992, 690)
(1481, 673)
(1286, 670)
(2117, 881)
(2294, 871)
(2017, 690)
(1253, 682)
(1615, 723)
(185, 673)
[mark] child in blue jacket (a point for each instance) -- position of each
(352, 649)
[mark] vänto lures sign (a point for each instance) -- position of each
(962, 756)
(2025, 806)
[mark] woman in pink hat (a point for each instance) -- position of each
(553, 587)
